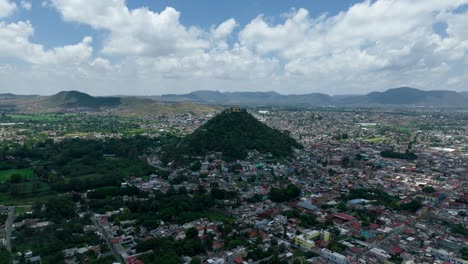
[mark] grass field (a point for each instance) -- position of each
(19, 210)
(376, 139)
(6, 174)
(7, 199)
(29, 191)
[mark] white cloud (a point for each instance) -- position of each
(7, 7)
(26, 5)
(136, 32)
(372, 45)
(15, 43)
(224, 29)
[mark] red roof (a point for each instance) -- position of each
(133, 260)
(396, 225)
(217, 245)
(338, 221)
(116, 240)
(344, 216)
(356, 250)
(238, 260)
(397, 250)
(357, 226)
(330, 216)
(253, 233)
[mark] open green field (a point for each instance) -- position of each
(19, 210)
(7, 199)
(376, 139)
(6, 174)
(27, 192)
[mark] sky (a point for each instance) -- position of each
(152, 47)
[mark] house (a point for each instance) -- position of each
(304, 243)
(67, 253)
(306, 206)
(333, 257)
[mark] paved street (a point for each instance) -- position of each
(108, 241)
(9, 226)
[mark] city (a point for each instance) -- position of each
(339, 199)
(233, 132)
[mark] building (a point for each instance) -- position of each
(304, 243)
(447, 256)
(381, 254)
(307, 240)
(333, 257)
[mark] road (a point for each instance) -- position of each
(9, 227)
(108, 241)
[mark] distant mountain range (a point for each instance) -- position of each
(396, 96)
(206, 101)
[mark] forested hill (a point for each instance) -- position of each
(234, 133)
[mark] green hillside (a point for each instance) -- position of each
(234, 134)
(78, 99)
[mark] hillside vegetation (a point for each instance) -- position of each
(78, 99)
(234, 134)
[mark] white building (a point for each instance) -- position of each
(333, 257)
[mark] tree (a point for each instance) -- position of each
(428, 189)
(192, 233)
(412, 206)
(182, 190)
(4, 257)
(208, 241)
(201, 189)
(16, 178)
(195, 260)
(196, 166)
(297, 261)
(283, 195)
(341, 206)
(60, 208)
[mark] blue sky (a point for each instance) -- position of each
(176, 46)
(51, 31)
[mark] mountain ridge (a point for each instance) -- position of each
(208, 101)
(394, 96)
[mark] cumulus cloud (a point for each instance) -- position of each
(7, 7)
(136, 32)
(14, 42)
(372, 45)
(26, 5)
(393, 40)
